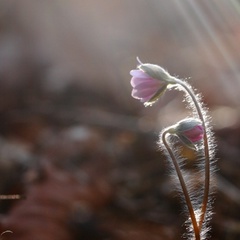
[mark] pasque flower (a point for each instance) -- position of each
(149, 82)
(194, 134)
(190, 131)
(146, 88)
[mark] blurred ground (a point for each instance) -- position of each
(73, 142)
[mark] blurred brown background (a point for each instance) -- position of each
(77, 147)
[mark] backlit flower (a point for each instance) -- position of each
(194, 134)
(146, 88)
(190, 131)
(149, 82)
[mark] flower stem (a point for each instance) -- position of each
(183, 185)
(206, 151)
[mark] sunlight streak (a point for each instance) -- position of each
(203, 31)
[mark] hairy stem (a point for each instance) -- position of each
(206, 151)
(183, 185)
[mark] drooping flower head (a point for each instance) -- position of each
(149, 82)
(190, 131)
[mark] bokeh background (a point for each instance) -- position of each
(74, 145)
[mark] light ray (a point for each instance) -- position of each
(202, 29)
(214, 36)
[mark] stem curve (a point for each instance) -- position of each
(183, 185)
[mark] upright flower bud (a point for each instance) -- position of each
(190, 131)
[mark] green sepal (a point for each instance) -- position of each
(186, 142)
(157, 72)
(156, 96)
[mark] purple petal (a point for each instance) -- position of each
(145, 85)
(143, 93)
(139, 73)
(145, 88)
(144, 100)
(136, 81)
(195, 134)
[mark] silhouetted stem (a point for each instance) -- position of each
(206, 151)
(183, 185)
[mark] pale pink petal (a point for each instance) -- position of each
(152, 84)
(144, 86)
(139, 74)
(143, 93)
(195, 134)
(135, 81)
(144, 100)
